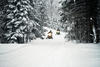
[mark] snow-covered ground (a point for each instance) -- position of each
(50, 53)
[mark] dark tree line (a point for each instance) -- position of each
(81, 20)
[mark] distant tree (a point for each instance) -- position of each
(39, 14)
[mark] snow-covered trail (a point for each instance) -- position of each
(57, 39)
(50, 53)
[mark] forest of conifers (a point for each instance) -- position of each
(83, 17)
(22, 20)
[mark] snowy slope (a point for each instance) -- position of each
(50, 53)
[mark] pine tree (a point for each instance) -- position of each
(39, 15)
(17, 25)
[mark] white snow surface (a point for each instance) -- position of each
(50, 53)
